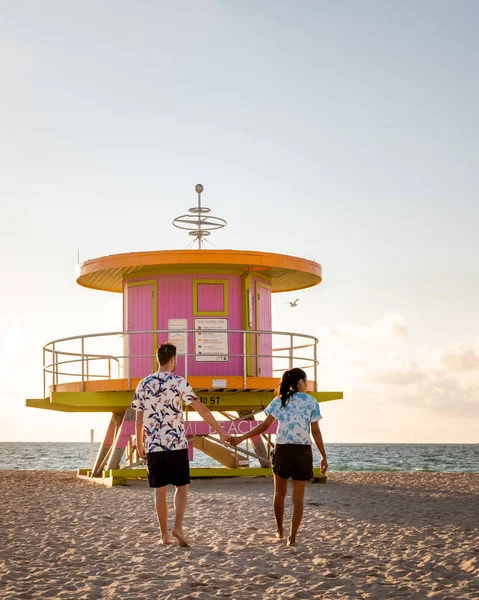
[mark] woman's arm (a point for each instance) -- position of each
(207, 416)
(258, 430)
(318, 439)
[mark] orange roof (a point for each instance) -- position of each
(287, 273)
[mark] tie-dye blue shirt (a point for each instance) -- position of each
(294, 420)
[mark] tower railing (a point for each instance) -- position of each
(70, 359)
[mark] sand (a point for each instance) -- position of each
(364, 535)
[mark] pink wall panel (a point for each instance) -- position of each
(194, 428)
(140, 318)
(210, 297)
(175, 301)
(263, 322)
(236, 427)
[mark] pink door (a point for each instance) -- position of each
(141, 307)
(264, 343)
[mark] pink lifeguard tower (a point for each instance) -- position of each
(215, 306)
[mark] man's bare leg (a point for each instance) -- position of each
(181, 497)
(298, 503)
(162, 512)
(280, 489)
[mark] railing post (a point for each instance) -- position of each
(186, 355)
(315, 365)
(92, 448)
(245, 362)
(259, 356)
(291, 351)
(44, 383)
(54, 367)
(128, 361)
(109, 367)
(82, 364)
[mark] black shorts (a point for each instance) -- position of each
(293, 460)
(169, 466)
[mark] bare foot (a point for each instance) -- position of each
(165, 542)
(280, 534)
(291, 541)
(180, 536)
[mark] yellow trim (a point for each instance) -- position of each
(258, 284)
(154, 307)
(200, 270)
(153, 282)
(265, 278)
(200, 472)
(248, 287)
(210, 313)
(108, 401)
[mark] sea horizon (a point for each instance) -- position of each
(342, 456)
(330, 443)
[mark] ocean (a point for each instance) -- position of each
(451, 458)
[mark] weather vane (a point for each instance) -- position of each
(198, 222)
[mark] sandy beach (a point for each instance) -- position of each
(364, 535)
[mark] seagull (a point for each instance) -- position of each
(293, 304)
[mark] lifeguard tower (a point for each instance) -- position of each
(215, 306)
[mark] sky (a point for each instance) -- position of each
(341, 131)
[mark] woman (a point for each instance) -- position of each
(297, 413)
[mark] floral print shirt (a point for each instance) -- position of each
(159, 396)
(294, 420)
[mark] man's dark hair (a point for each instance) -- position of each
(165, 353)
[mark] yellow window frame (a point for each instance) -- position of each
(210, 313)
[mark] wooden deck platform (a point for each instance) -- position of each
(123, 476)
(68, 398)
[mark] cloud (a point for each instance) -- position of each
(460, 358)
(393, 325)
(410, 373)
(379, 369)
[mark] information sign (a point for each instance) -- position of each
(212, 343)
(175, 327)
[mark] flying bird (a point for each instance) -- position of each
(293, 304)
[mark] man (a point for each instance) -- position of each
(161, 438)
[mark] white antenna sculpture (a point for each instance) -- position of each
(197, 223)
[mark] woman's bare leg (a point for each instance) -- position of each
(298, 503)
(280, 489)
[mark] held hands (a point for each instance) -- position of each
(230, 440)
(235, 441)
(225, 437)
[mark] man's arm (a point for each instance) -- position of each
(208, 417)
(258, 430)
(140, 434)
(318, 439)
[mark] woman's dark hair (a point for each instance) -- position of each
(289, 384)
(165, 353)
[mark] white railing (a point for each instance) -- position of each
(69, 359)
